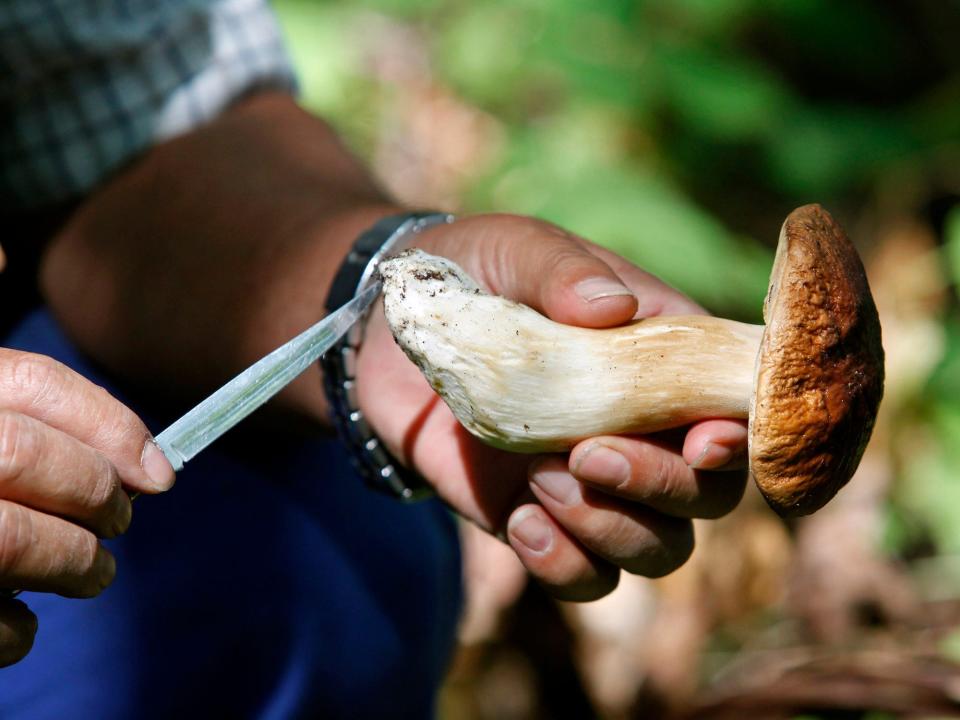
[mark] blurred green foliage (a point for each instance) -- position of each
(930, 490)
(677, 132)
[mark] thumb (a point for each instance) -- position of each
(540, 265)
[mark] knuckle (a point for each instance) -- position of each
(620, 538)
(546, 228)
(86, 547)
(657, 479)
(565, 258)
(617, 537)
(117, 426)
(102, 486)
(661, 555)
(524, 229)
(20, 446)
(16, 532)
(36, 376)
(85, 555)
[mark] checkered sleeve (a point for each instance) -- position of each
(86, 85)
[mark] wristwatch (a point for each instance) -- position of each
(370, 457)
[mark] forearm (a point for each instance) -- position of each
(212, 249)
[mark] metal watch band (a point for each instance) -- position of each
(370, 458)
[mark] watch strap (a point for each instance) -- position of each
(370, 457)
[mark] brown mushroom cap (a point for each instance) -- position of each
(820, 368)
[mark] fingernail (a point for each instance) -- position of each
(602, 464)
(712, 457)
(155, 464)
(596, 288)
(529, 528)
(558, 484)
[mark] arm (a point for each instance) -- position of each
(213, 249)
(220, 245)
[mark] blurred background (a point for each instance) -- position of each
(680, 133)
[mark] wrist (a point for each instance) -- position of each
(358, 272)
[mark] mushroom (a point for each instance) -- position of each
(810, 381)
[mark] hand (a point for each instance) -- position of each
(68, 450)
(613, 503)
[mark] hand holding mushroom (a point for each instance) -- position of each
(616, 501)
(810, 381)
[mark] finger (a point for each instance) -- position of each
(50, 392)
(560, 563)
(18, 628)
(654, 296)
(644, 471)
(540, 265)
(716, 445)
(50, 471)
(44, 553)
(631, 536)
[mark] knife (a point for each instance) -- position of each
(258, 383)
(214, 416)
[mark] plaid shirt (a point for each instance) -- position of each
(86, 85)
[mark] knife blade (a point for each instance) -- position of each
(214, 416)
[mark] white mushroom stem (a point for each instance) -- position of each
(522, 382)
